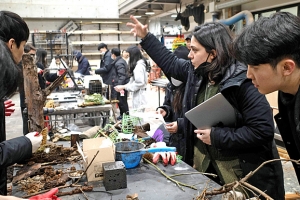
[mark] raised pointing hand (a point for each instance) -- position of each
(137, 28)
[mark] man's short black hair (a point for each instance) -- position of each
(269, 40)
(101, 45)
(116, 51)
(13, 26)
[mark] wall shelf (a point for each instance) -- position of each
(91, 32)
(106, 42)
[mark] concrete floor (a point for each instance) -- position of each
(14, 129)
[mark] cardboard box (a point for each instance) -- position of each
(106, 154)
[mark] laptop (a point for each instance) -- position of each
(212, 112)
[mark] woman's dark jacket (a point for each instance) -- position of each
(121, 77)
(105, 69)
(83, 64)
(177, 139)
(252, 139)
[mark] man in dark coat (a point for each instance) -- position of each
(235, 151)
(83, 63)
(106, 71)
(14, 34)
(271, 48)
(119, 65)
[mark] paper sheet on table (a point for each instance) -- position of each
(80, 151)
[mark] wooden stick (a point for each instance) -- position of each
(87, 168)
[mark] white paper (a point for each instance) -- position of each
(80, 151)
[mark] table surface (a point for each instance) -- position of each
(148, 183)
(73, 109)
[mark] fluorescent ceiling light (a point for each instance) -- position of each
(149, 10)
(174, 15)
(137, 14)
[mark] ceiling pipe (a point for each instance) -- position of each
(247, 15)
(232, 4)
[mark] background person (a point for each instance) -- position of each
(138, 80)
(83, 63)
(122, 77)
(105, 70)
(171, 109)
(188, 41)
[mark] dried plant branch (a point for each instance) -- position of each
(243, 182)
(168, 177)
(207, 174)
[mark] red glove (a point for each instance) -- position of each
(47, 196)
(8, 110)
(166, 157)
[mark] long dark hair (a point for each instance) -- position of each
(134, 56)
(41, 54)
(215, 36)
(180, 52)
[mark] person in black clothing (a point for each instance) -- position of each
(105, 70)
(83, 63)
(271, 48)
(41, 64)
(14, 34)
(171, 109)
(121, 78)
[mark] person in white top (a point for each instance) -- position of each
(57, 64)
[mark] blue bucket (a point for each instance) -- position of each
(131, 152)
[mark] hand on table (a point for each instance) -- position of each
(7, 104)
(36, 140)
(51, 195)
(166, 156)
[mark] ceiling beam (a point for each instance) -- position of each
(130, 6)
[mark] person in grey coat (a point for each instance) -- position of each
(229, 152)
(138, 81)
